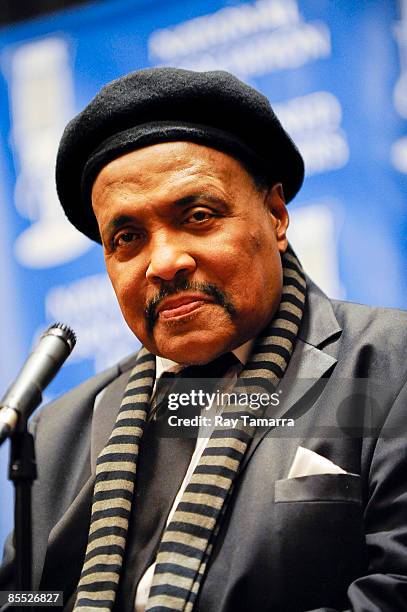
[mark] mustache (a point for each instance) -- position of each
(183, 284)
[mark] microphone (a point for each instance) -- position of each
(25, 394)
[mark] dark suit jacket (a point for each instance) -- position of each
(321, 542)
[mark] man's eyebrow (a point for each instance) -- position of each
(118, 222)
(196, 197)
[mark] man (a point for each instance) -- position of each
(183, 177)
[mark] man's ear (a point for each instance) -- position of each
(276, 205)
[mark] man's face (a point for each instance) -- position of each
(192, 248)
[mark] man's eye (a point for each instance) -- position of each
(125, 238)
(199, 216)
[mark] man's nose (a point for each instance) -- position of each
(169, 259)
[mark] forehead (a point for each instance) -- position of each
(166, 164)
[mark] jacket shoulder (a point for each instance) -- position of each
(378, 322)
(375, 338)
(79, 400)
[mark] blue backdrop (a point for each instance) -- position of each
(336, 73)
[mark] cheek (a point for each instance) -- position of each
(128, 287)
(254, 258)
(256, 242)
(256, 274)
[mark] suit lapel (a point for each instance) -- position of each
(105, 415)
(55, 574)
(309, 362)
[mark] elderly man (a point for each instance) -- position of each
(300, 505)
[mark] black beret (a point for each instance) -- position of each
(165, 105)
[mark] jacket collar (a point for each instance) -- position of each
(319, 325)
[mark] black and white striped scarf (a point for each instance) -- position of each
(188, 539)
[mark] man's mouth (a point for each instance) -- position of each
(178, 301)
(181, 305)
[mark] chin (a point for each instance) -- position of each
(193, 348)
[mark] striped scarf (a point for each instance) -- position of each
(189, 537)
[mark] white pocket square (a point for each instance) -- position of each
(308, 463)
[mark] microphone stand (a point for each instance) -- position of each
(22, 473)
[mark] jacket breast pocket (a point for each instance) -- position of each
(319, 487)
(319, 537)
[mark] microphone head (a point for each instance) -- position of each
(62, 331)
